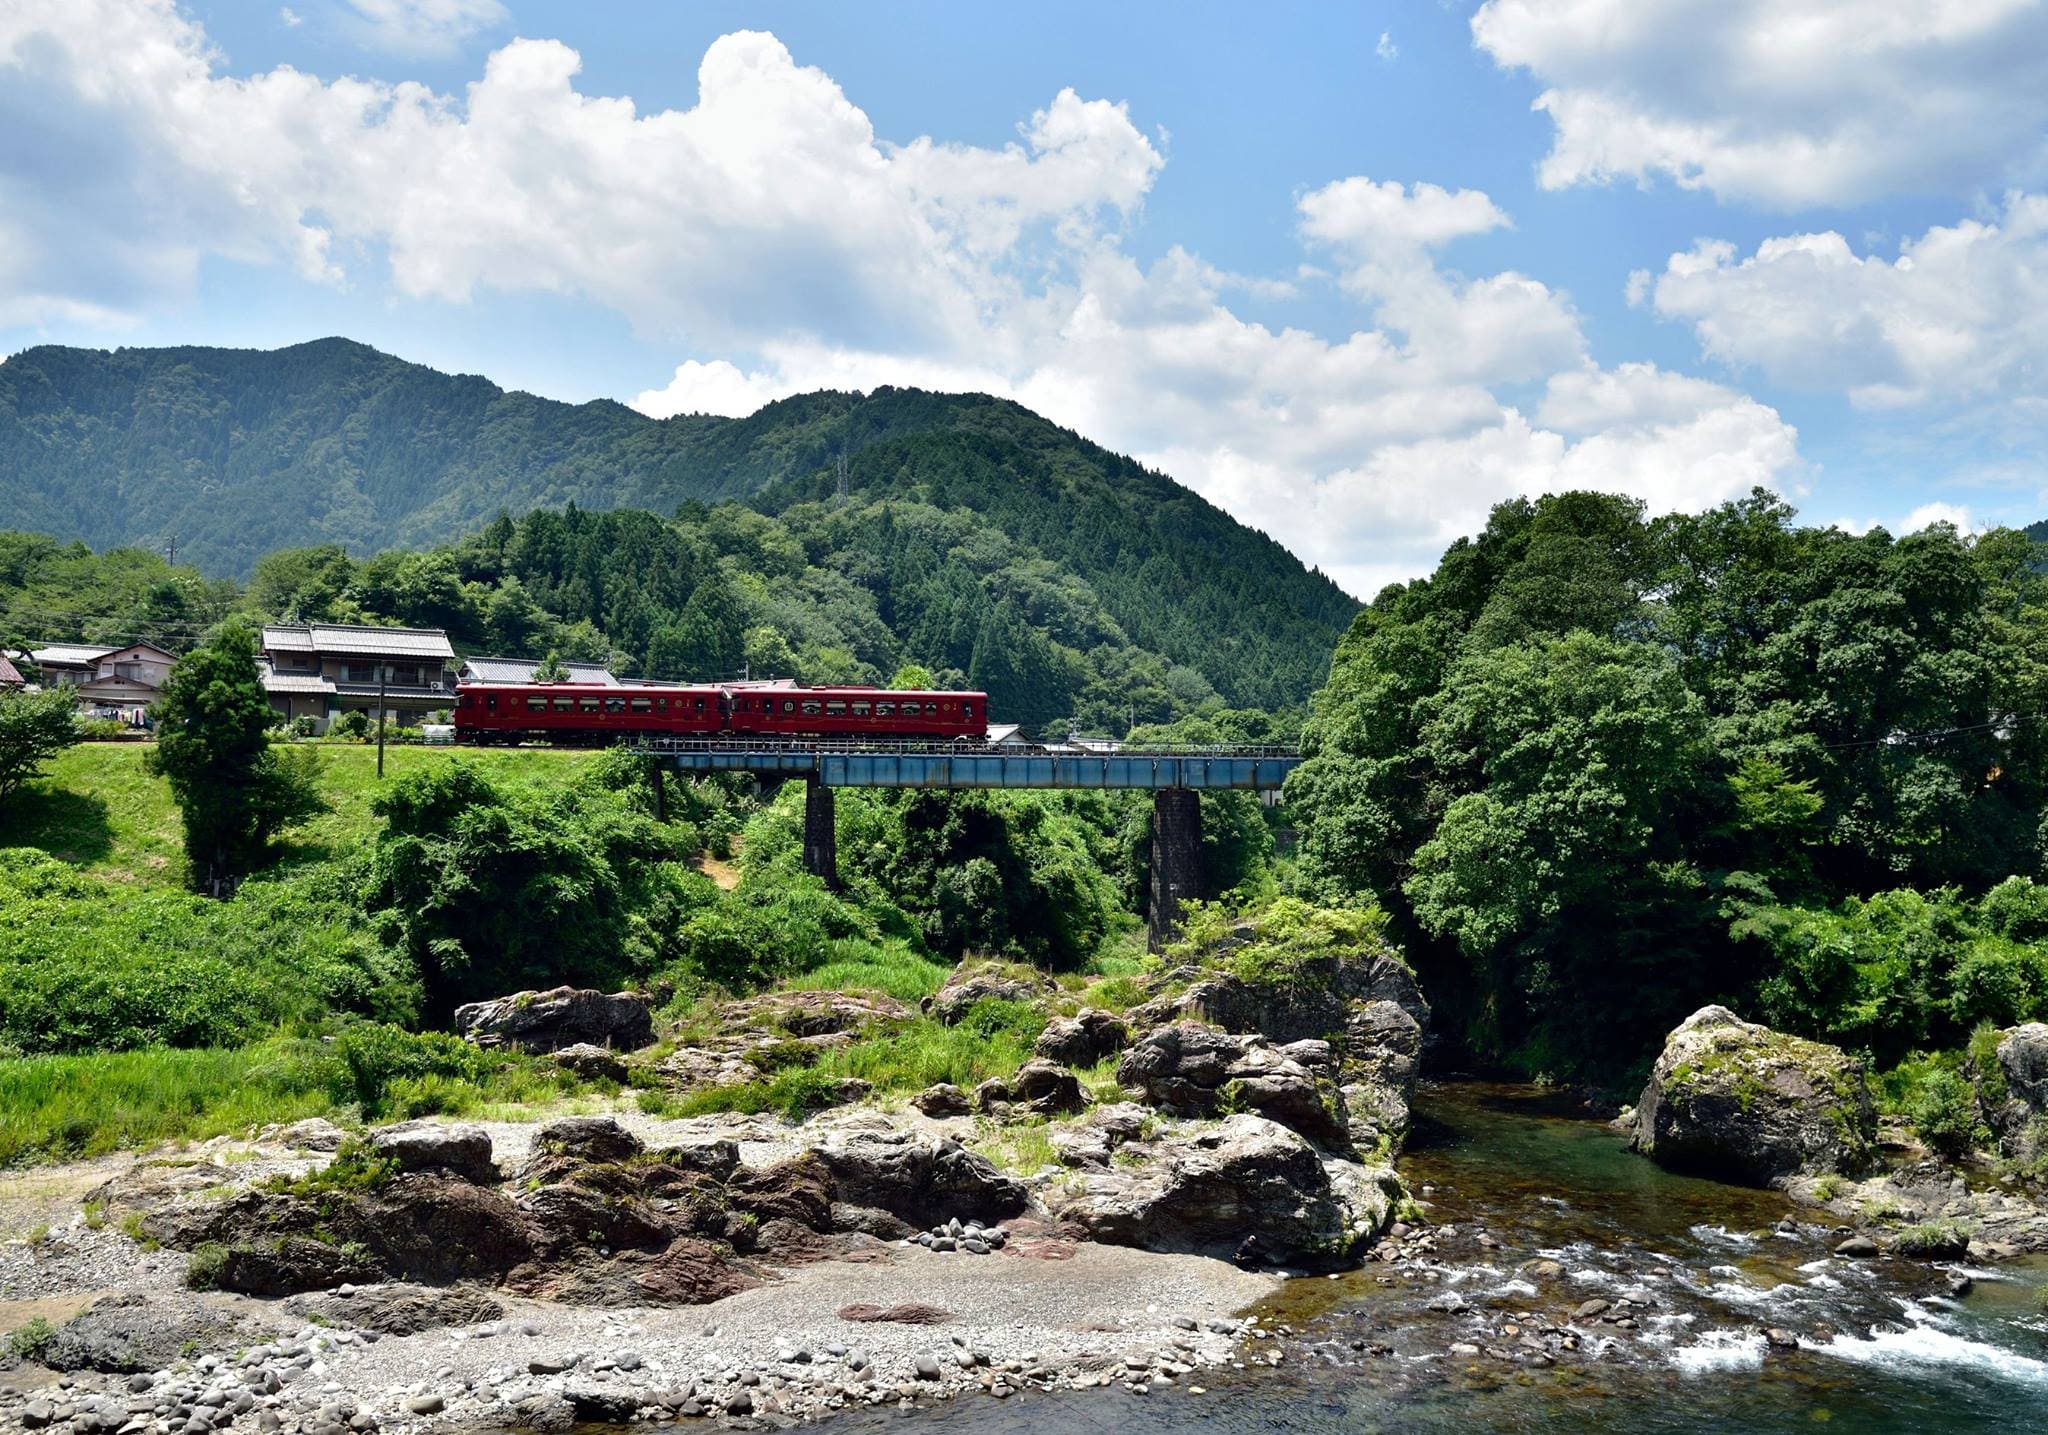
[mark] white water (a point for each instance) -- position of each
(1925, 1343)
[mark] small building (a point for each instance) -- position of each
(521, 670)
(10, 676)
(319, 671)
(122, 680)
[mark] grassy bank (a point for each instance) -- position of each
(98, 809)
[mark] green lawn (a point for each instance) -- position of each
(98, 809)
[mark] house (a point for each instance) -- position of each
(125, 680)
(319, 671)
(10, 676)
(521, 670)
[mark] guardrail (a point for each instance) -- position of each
(957, 749)
(979, 765)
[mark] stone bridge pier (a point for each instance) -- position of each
(821, 833)
(1176, 861)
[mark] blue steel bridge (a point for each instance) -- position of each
(1174, 775)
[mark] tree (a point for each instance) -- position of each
(912, 677)
(34, 727)
(551, 669)
(234, 789)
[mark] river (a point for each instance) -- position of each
(1515, 1175)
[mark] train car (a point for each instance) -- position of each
(846, 712)
(571, 712)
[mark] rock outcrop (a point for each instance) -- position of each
(1084, 1038)
(1194, 1070)
(1245, 1188)
(1735, 1100)
(977, 981)
(563, 1016)
(431, 1146)
(2012, 1087)
(1046, 1088)
(919, 1179)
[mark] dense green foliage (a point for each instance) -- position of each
(91, 965)
(235, 789)
(1602, 769)
(34, 728)
(51, 591)
(488, 887)
(973, 515)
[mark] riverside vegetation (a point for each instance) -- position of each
(1593, 777)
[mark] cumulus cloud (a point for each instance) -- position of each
(1784, 102)
(423, 27)
(1960, 315)
(781, 245)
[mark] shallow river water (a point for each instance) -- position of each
(1514, 1176)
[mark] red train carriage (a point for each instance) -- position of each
(510, 712)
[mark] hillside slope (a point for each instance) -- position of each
(240, 452)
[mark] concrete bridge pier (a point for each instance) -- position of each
(821, 833)
(1176, 860)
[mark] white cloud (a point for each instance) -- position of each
(1784, 102)
(770, 234)
(1386, 49)
(1961, 314)
(291, 18)
(423, 27)
(1929, 514)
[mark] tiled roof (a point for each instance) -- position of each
(10, 676)
(296, 683)
(71, 654)
(346, 640)
(520, 670)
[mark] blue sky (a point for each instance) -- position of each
(1354, 272)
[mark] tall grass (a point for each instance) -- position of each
(891, 967)
(60, 1107)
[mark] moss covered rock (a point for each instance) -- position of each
(1740, 1102)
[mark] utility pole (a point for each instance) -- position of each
(383, 673)
(172, 560)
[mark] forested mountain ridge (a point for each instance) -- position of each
(241, 452)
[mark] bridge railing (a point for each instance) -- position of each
(883, 747)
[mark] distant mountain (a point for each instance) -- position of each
(240, 452)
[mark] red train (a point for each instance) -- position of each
(510, 712)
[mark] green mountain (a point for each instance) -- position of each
(237, 453)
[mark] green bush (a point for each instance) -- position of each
(28, 1341)
(93, 965)
(1945, 1115)
(203, 1268)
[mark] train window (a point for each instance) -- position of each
(491, 701)
(860, 709)
(967, 710)
(912, 709)
(835, 709)
(643, 705)
(537, 705)
(565, 705)
(810, 709)
(588, 705)
(885, 709)
(614, 705)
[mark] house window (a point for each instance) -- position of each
(359, 672)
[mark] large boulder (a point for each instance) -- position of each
(922, 1180)
(979, 981)
(463, 1151)
(2012, 1084)
(138, 1331)
(1047, 1088)
(1738, 1101)
(1084, 1038)
(1319, 997)
(563, 1016)
(1194, 1070)
(1245, 1188)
